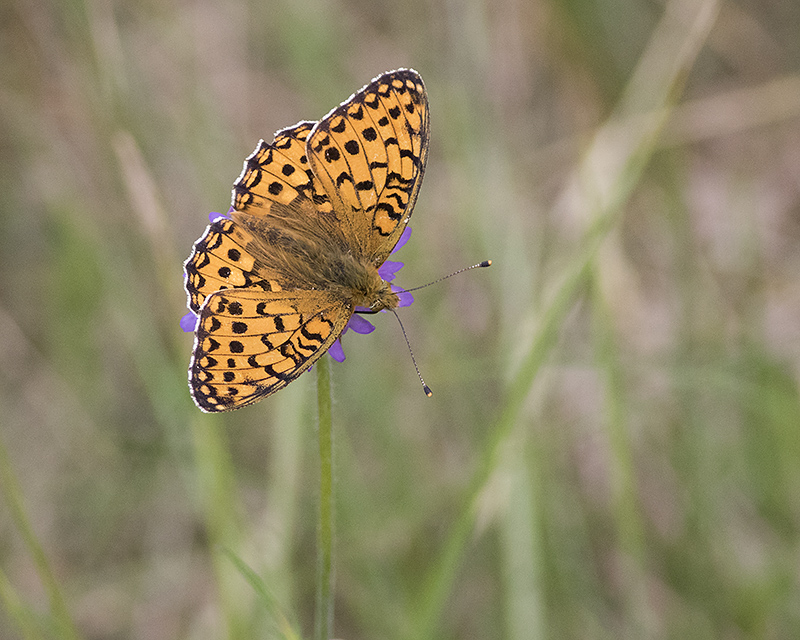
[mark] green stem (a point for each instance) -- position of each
(324, 601)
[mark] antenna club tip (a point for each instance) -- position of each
(427, 391)
(486, 263)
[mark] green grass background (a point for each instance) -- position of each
(612, 449)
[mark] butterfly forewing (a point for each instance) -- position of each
(248, 344)
(369, 154)
(277, 173)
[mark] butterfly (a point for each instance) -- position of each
(315, 214)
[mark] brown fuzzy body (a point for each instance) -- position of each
(306, 250)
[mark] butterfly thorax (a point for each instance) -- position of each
(308, 252)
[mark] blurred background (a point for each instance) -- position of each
(612, 449)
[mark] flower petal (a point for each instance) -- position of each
(360, 325)
(189, 322)
(214, 216)
(388, 269)
(336, 351)
(406, 299)
(402, 240)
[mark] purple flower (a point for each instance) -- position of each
(214, 216)
(359, 325)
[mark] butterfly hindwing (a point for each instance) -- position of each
(249, 344)
(369, 154)
(219, 260)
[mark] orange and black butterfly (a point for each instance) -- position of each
(315, 214)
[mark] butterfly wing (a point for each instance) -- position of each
(220, 260)
(249, 343)
(369, 156)
(278, 173)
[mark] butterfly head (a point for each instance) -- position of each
(375, 294)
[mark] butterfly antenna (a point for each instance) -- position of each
(485, 263)
(425, 387)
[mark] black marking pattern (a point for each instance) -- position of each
(219, 260)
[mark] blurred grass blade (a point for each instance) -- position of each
(520, 547)
(731, 112)
(600, 186)
(217, 496)
(439, 581)
(145, 202)
(628, 518)
(58, 606)
(18, 611)
(265, 595)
